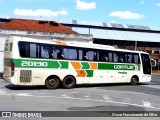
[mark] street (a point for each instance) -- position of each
(106, 97)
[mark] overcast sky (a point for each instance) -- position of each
(135, 12)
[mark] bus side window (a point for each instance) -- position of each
(85, 57)
(91, 55)
(24, 49)
(44, 52)
(97, 55)
(59, 55)
(120, 59)
(136, 58)
(21, 49)
(115, 56)
(110, 55)
(80, 54)
(33, 50)
(70, 53)
(100, 55)
(129, 58)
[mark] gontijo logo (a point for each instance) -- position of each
(124, 67)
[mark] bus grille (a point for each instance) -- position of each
(25, 76)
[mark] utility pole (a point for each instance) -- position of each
(135, 46)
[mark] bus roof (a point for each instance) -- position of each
(73, 44)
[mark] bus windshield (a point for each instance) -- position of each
(146, 63)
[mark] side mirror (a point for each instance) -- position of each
(153, 62)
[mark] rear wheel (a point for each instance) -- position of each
(52, 83)
(69, 82)
(134, 80)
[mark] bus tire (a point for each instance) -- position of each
(134, 80)
(69, 82)
(52, 83)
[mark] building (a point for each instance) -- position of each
(133, 37)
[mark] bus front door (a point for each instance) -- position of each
(146, 64)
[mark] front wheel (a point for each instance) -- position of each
(134, 80)
(52, 83)
(69, 82)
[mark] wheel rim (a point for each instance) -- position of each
(134, 80)
(52, 82)
(69, 82)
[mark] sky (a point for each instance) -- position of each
(134, 12)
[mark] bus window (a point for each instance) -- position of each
(70, 53)
(53, 50)
(33, 50)
(102, 56)
(53, 53)
(60, 54)
(129, 58)
(121, 57)
(136, 58)
(91, 55)
(85, 57)
(24, 49)
(44, 52)
(110, 55)
(80, 54)
(115, 57)
(97, 55)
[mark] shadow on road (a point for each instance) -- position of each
(17, 87)
(107, 85)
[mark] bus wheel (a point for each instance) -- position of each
(52, 83)
(69, 82)
(134, 80)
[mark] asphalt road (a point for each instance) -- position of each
(102, 98)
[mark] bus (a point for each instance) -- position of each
(33, 62)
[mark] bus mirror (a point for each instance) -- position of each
(153, 62)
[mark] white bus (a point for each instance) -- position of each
(29, 61)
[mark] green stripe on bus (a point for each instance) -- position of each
(64, 64)
(104, 66)
(85, 65)
(23, 63)
(27, 63)
(89, 73)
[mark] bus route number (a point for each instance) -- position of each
(34, 64)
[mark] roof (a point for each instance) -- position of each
(34, 25)
(74, 44)
(119, 35)
(108, 25)
(115, 31)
